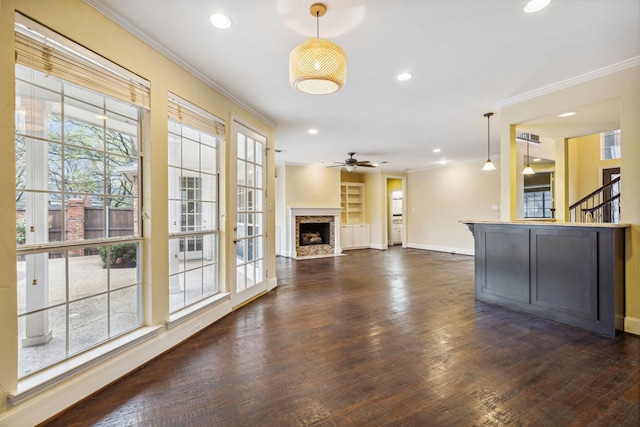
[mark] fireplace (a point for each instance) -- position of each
(314, 232)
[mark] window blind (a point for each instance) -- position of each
(42, 49)
(189, 114)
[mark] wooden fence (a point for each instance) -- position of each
(120, 223)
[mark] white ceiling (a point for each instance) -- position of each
(467, 57)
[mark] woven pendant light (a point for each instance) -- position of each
(318, 66)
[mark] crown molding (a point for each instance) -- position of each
(178, 60)
(564, 84)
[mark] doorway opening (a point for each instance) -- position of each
(395, 196)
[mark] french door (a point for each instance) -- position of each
(250, 227)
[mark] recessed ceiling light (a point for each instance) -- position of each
(536, 5)
(567, 114)
(443, 162)
(221, 21)
(403, 77)
(313, 131)
(436, 150)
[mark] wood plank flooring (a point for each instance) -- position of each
(378, 338)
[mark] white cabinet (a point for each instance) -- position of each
(346, 236)
(361, 236)
(396, 234)
(396, 230)
(355, 236)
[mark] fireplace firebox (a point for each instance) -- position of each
(316, 233)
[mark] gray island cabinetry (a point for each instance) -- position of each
(567, 272)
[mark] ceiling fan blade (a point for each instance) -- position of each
(366, 165)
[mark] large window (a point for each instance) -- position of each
(77, 171)
(194, 136)
(537, 204)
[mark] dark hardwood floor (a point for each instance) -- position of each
(378, 338)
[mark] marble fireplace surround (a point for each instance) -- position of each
(311, 215)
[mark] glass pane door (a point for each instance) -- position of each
(250, 215)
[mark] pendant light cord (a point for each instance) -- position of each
(317, 24)
(488, 116)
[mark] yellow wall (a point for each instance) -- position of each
(79, 22)
(346, 176)
(304, 187)
(312, 187)
(393, 184)
(586, 169)
(281, 210)
(374, 209)
(438, 199)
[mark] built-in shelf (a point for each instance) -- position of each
(354, 232)
(352, 203)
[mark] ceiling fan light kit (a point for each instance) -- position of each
(318, 66)
(351, 163)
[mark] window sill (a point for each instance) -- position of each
(197, 308)
(48, 378)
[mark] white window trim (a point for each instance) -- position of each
(193, 310)
(50, 377)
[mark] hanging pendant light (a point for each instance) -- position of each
(317, 66)
(528, 170)
(488, 166)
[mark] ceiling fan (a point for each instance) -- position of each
(351, 164)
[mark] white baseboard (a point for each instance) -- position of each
(459, 251)
(379, 247)
(632, 325)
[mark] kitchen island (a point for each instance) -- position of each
(568, 272)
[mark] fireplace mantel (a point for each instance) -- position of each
(294, 213)
(315, 212)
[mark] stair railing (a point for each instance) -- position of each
(602, 205)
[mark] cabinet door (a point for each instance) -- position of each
(361, 236)
(357, 236)
(396, 235)
(346, 236)
(366, 241)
